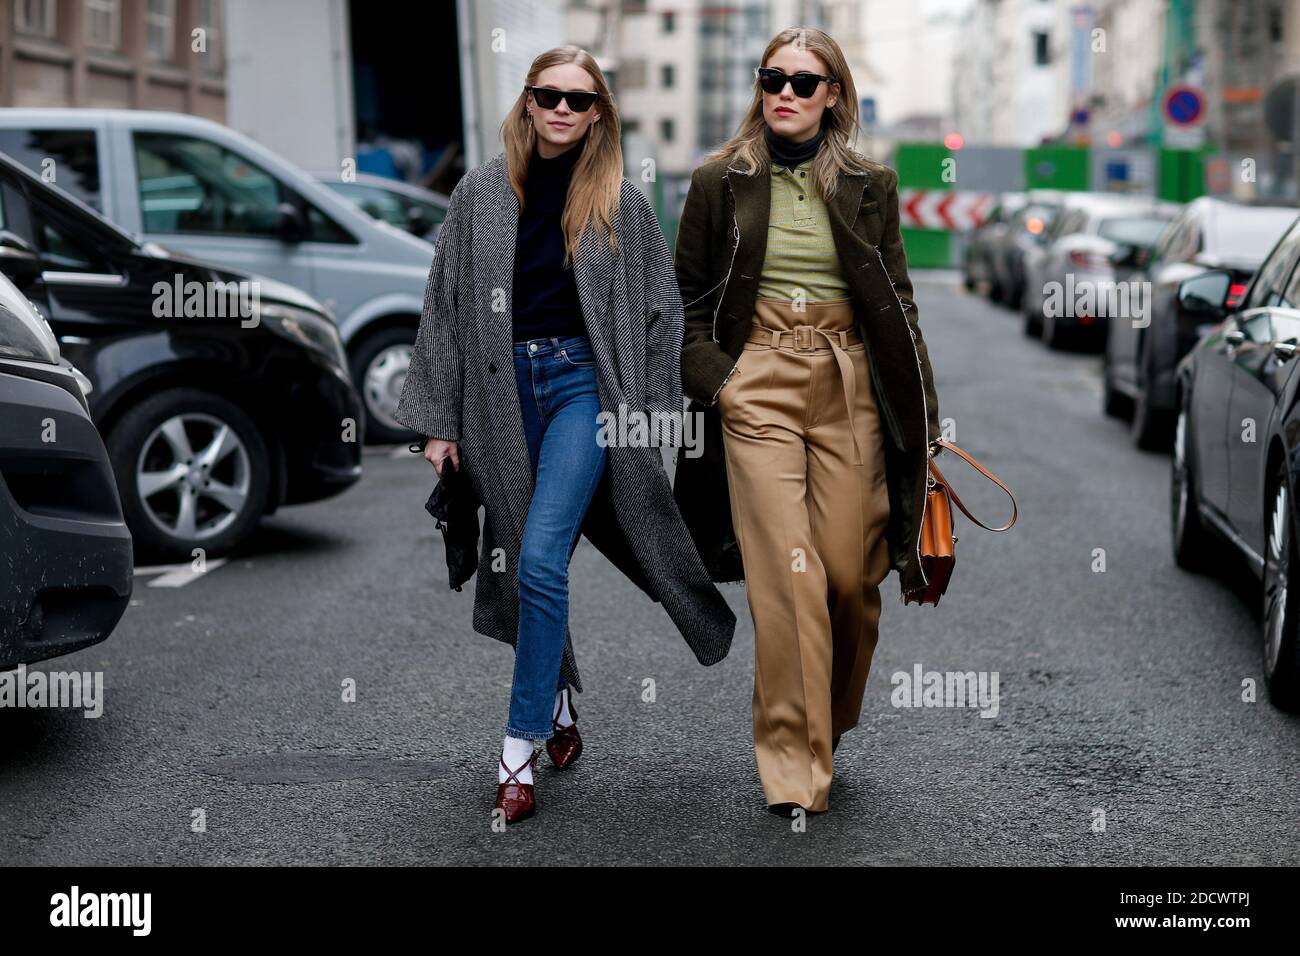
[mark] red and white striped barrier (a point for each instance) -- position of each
(943, 208)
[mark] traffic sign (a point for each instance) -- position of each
(943, 208)
(1184, 105)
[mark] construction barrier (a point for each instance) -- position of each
(944, 194)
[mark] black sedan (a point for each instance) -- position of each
(1236, 467)
(220, 396)
(65, 552)
(1142, 352)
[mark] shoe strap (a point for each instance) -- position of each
(573, 712)
(513, 775)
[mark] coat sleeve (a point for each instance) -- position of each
(664, 323)
(430, 403)
(895, 261)
(705, 366)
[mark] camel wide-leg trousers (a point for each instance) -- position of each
(806, 471)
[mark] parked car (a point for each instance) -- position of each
(1069, 279)
(982, 244)
(1236, 462)
(212, 193)
(1140, 357)
(213, 416)
(65, 552)
(418, 210)
(1026, 231)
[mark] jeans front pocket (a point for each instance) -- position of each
(578, 354)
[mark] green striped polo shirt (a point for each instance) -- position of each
(801, 254)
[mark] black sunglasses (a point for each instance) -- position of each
(548, 99)
(803, 84)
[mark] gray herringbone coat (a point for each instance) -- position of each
(461, 387)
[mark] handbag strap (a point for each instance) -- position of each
(983, 471)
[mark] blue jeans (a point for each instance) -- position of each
(559, 400)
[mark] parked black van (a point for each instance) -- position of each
(220, 395)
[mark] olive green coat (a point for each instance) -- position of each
(721, 246)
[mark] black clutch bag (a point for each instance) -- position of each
(454, 506)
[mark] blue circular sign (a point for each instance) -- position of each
(1184, 105)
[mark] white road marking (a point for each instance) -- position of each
(178, 575)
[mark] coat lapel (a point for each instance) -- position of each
(845, 207)
(495, 268)
(593, 272)
(752, 201)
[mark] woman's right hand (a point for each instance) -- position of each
(436, 451)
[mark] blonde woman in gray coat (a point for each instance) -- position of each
(551, 313)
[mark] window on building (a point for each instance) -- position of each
(1042, 48)
(103, 24)
(668, 21)
(209, 20)
(667, 76)
(632, 74)
(160, 30)
(667, 129)
(35, 18)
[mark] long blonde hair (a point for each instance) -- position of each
(597, 180)
(747, 149)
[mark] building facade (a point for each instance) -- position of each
(135, 54)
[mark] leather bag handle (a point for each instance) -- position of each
(942, 443)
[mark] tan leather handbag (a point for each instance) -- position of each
(937, 545)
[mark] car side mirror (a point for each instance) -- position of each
(13, 245)
(1206, 294)
(290, 224)
(18, 260)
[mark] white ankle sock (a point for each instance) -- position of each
(516, 751)
(563, 716)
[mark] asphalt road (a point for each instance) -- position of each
(1120, 691)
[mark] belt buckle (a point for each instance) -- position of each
(803, 338)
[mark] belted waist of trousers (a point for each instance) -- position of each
(811, 338)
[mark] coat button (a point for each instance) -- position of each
(492, 369)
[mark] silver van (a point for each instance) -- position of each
(203, 189)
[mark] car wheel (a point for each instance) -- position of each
(1013, 296)
(1191, 539)
(379, 370)
(1149, 426)
(1033, 326)
(1114, 403)
(1053, 334)
(1281, 647)
(193, 472)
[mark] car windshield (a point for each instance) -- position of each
(1132, 232)
(1247, 235)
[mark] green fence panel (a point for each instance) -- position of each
(927, 248)
(1181, 174)
(1058, 167)
(920, 165)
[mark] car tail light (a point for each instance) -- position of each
(1236, 292)
(1088, 260)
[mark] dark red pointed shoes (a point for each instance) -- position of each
(565, 745)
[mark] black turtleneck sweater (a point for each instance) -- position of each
(545, 295)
